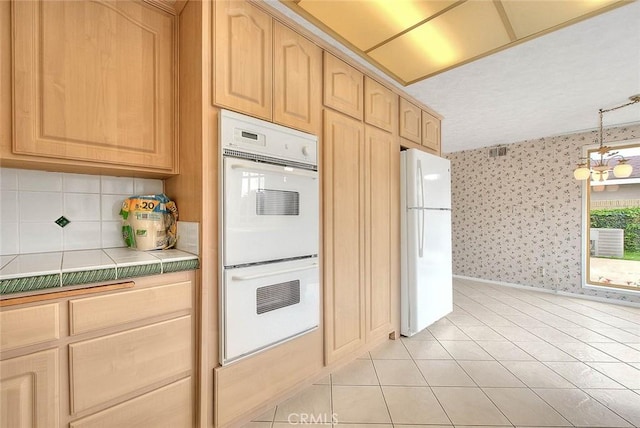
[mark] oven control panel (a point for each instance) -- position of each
(251, 135)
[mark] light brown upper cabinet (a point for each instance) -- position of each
(343, 87)
(297, 80)
(343, 199)
(431, 132)
(382, 232)
(410, 121)
(243, 58)
(380, 106)
(95, 82)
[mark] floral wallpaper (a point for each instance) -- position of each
(518, 218)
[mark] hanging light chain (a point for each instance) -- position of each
(585, 169)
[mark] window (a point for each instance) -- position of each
(612, 223)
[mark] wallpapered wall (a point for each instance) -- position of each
(518, 214)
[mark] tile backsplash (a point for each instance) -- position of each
(31, 202)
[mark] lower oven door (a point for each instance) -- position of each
(267, 304)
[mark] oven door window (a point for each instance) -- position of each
(277, 202)
(277, 296)
(270, 212)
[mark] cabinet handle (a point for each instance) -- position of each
(60, 294)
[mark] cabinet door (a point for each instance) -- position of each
(243, 58)
(95, 81)
(380, 106)
(382, 231)
(410, 118)
(297, 80)
(344, 300)
(343, 87)
(29, 391)
(431, 132)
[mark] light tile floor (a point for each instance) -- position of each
(503, 357)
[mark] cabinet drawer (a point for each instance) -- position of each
(98, 312)
(111, 366)
(169, 407)
(28, 326)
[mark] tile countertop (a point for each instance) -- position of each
(31, 272)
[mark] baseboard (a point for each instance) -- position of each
(545, 290)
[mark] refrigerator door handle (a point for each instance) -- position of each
(421, 233)
(421, 181)
(420, 211)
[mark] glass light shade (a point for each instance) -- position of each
(599, 175)
(622, 170)
(581, 173)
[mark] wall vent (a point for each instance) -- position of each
(495, 152)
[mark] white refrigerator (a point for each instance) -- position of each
(426, 271)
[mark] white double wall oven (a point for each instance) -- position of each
(269, 235)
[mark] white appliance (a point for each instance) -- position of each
(426, 291)
(269, 235)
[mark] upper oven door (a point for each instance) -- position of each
(270, 212)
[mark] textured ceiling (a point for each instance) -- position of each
(550, 85)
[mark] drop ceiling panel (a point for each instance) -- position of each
(531, 17)
(411, 40)
(459, 35)
(368, 23)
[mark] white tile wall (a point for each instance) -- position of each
(117, 185)
(8, 179)
(146, 186)
(40, 181)
(82, 235)
(80, 183)
(9, 238)
(31, 201)
(9, 206)
(39, 237)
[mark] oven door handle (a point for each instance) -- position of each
(274, 272)
(280, 169)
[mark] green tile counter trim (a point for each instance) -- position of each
(181, 265)
(30, 272)
(30, 283)
(87, 277)
(140, 270)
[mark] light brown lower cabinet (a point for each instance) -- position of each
(122, 358)
(170, 406)
(361, 234)
(29, 390)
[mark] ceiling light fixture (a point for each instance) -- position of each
(598, 169)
